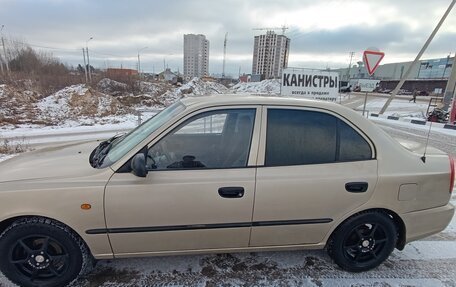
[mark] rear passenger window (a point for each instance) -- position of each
(297, 137)
(352, 145)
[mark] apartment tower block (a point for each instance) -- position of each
(270, 55)
(196, 56)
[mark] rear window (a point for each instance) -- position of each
(298, 137)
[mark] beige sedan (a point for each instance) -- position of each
(222, 174)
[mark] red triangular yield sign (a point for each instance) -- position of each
(372, 60)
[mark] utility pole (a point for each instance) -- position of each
(85, 65)
(1, 64)
(139, 61)
(224, 55)
(6, 56)
(1, 60)
(409, 70)
(88, 61)
(349, 66)
(4, 51)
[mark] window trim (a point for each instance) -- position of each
(262, 147)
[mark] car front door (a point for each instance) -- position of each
(199, 190)
(315, 166)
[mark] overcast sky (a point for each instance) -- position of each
(322, 33)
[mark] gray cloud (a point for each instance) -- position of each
(120, 28)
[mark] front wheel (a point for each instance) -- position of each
(363, 241)
(42, 252)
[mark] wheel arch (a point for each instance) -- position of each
(398, 222)
(7, 222)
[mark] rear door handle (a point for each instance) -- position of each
(231, 192)
(356, 187)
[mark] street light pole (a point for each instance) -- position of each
(88, 61)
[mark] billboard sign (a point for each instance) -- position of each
(308, 83)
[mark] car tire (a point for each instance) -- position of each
(363, 241)
(42, 252)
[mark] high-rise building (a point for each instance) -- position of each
(196, 56)
(270, 54)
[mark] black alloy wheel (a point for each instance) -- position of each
(363, 242)
(39, 258)
(42, 252)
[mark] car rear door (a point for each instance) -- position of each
(199, 191)
(314, 167)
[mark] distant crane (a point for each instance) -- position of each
(283, 28)
(224, 55)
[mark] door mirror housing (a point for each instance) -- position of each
(138, 165)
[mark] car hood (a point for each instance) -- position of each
(70, 160)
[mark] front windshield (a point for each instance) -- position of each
(140, 133)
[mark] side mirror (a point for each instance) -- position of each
(138, 165)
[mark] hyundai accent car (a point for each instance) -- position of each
(222, 174)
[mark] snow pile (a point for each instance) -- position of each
(111, 87)
(152, 88)
(196, 87)
(264, 87)
(17, 105)
(78, 101)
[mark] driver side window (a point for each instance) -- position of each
(216, 139)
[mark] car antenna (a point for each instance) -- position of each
(423, 158)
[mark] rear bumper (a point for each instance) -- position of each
(420, 224)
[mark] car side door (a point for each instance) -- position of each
(314, 167)
(199, 190)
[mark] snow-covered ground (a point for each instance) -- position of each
(398, 107)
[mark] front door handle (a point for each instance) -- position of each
(231, 192)
(356, 186)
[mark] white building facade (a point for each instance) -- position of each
(196, 56)
(270, 55)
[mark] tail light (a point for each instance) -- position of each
(452, 173)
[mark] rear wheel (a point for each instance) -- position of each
(363, 241)
(42, 252)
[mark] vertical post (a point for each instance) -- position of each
(88, 64)
(409, 70)
(349, 67)
(365, 101)
(450, 88)
(139, 67)
(6, 56)
(444, 69)
(85, 65)
(1, 64)
(224, 55)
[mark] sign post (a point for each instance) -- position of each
(372, 58)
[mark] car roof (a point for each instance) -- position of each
(252, 99)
